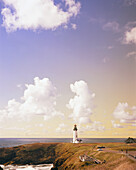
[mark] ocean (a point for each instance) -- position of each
(28, 167)
(10, 142)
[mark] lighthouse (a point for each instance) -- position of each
(75, 136)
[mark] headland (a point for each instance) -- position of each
(115, 156)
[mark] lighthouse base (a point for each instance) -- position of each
(77, 141)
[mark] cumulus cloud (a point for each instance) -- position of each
(38, 99)
(114, 26)
(37, 14)
(81, 103)
(125, 113)
(130, 36)
(116, 125)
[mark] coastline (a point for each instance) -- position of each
(66, 155)
(30, 167)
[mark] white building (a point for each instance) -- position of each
(75, 135)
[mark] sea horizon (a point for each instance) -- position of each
(12, 142)
(61, 138)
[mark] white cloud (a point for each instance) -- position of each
(107, 26)
(131, 54)
(130, 2)
(37, 14)
(130, 25)
(39, 99)
(62, 128)
(74, 26)
(96, 126)
(65, 27)
(114, 26)
(116, 125)
(127, 121)
(20, 86)
(125, 113)
(73, 7)
(81, 103)
(130, 36)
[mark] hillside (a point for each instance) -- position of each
(66, 155)
(28, 154)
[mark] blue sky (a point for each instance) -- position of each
(95, 43)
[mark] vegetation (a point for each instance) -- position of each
(66, 155)
(130, 140)
(28, 154)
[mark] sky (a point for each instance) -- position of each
(66, 62)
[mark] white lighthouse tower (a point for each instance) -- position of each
(75, 136)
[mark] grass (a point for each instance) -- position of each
(66, 155)
(71, 153)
